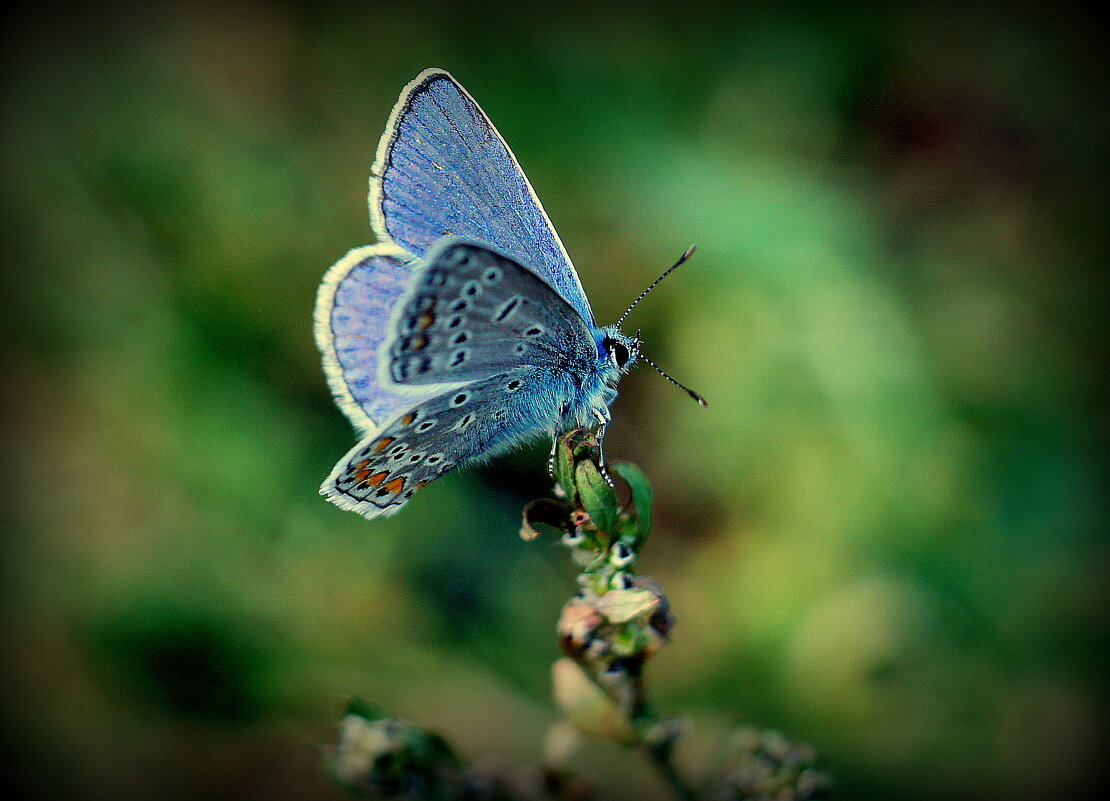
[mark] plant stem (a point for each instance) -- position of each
(661, 760)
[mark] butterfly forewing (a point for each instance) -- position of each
(444, 170)
(472, 313)
(382, 472)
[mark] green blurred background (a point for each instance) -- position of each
(884, 536)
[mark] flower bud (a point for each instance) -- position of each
(763, 765)
(379, 757)
(578, 623)
(620, 555)
(588, 706)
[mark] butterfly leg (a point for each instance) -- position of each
(601, 456)
(551, 456)
(603, 423)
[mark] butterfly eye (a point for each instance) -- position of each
(618, 353)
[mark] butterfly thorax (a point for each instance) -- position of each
(597, 387)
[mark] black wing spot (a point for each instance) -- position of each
(459, 399)
(426, 425)
(456, 256)
(459, 305)
(465, 422)
(458, 358)
(455, 321)
(435, 458)
(534, 331)
(413, 364)
(472, 288)
(460, 338)
(520, 348)
(506, 310)
(514, 385)
(492, 275)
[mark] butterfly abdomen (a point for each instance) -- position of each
(540, 399)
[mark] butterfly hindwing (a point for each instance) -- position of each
(382, 472)
(442, 169)
(354, 308)
(471, 313)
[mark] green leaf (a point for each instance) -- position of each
(642, 493)
(430, 750)
(598, 498)
(564, 465)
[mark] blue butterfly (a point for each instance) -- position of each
(465, 331)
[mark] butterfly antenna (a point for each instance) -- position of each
(663, 373)
(689, 252)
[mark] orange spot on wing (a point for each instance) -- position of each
(420, 484)
(377, 478)
(362, 475)
(408, 418)
(419, 341)
(384, 443)
(424, 322)
(396, 485)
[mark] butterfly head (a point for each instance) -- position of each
(619, 352)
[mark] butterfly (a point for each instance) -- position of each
(465, 331)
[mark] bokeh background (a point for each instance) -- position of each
(884, 536)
